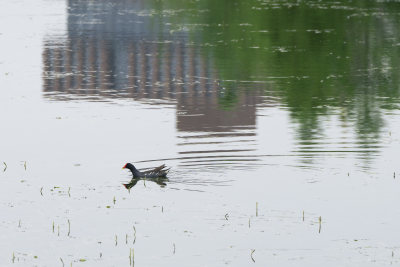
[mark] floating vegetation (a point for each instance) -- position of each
(251, 255)
(13, 258)
(25, 165)
(114, 200)
(303, 215)
(5, 166)
(82, 260)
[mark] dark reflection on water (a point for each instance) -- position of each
(160, 181)
(219, 62)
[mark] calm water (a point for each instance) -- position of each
(280, 120)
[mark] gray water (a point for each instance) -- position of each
(279, 121)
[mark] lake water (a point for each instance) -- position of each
(279, 120)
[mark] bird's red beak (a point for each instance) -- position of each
(124, 166)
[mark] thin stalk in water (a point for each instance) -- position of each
(251, 255)
(133, 257)
(134, 235)
(320, 222)
(256, 209)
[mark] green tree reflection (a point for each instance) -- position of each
(320, 57)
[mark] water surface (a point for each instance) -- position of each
(272, 115)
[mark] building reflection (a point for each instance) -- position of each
(120, 50)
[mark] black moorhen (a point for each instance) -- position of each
(159, 172)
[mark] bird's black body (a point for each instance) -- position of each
(159, 172)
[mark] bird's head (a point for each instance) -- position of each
(128, 166)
